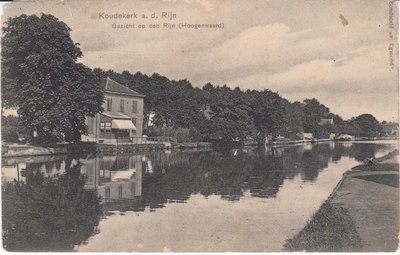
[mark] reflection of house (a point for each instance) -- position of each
(114, 177)
(10, 173)
(307, 147)
(47, 166)
(122, 118)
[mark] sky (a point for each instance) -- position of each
(333, 50)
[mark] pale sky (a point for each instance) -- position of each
(301, 49)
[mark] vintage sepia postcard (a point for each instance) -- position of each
(199, 126)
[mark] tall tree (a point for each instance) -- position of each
(293, 124)
(367, 125)
(268, 111)
(41, 77)
(314, 111)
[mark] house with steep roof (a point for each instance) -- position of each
(122, 118)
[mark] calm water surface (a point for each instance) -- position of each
(249, 199)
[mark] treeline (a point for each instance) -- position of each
(54, 92)
(214, 112)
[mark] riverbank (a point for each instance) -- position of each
(361, 214)
(17, 150)
(201, 145)
(23, 150)
(356, 140)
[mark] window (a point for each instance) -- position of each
(120, 191)
(134, 106)
(105, 127)
(109, 104)
(121, 106)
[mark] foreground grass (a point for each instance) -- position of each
(331, 229)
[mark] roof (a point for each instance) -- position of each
(110, 85)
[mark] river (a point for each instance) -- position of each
(249, 199)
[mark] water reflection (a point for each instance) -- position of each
(45, 211)
(56, 203)
(117, 179)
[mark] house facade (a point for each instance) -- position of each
(122, 118)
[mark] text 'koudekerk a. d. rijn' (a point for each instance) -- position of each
(136, 15)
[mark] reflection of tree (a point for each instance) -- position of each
(229, 174)
(315, 160)
(361, 151)
(337, 152)
(268, 174)
(48, 214)
(358, 151)
(174, 186)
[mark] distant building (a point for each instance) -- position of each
(326, 122)
(306, 136)
(207, 112)
(345, 137)
(122, 118)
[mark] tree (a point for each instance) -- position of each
(268, 112)
(348, 127)
(313, 113)
(9, 128)
(41, 77)
(293, 119)
(367, 125)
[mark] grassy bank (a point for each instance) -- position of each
(361, 215)
(330, 229)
